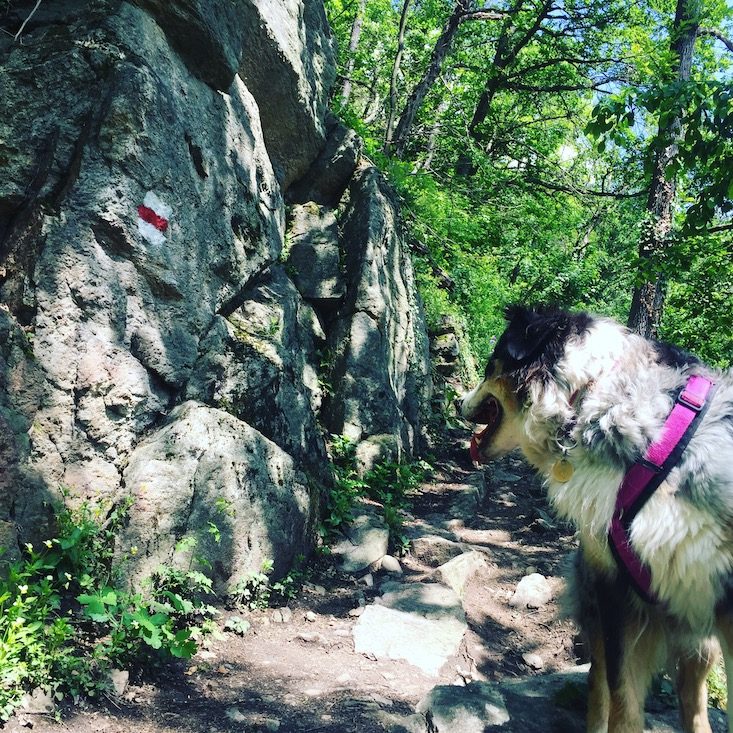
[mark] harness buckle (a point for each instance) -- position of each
(687, 401)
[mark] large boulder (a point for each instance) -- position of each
(289, 67)
(314, 254)
(329, 176)
(211, 478)
(138, 207)
(260, 364)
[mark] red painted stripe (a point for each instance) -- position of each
(148, 215)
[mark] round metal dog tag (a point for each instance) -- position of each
(562, 471)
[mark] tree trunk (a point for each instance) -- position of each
(353, 45)
(648, 298)
(433, 137)
(395, 74)
(505, 55)
(442, 47)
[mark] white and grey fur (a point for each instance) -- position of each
(595, 394)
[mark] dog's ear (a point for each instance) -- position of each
(530, 330)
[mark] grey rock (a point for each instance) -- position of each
(289, 67)
(282, 615)
(430, 600)
(206, 466)
(328, 177)
(391, 564)
(434, 550)
(471, 496)
(380, 370)
(426, 643)
(39, 701)
(500, 475)
(314, 256)
(116, 319)
(533, 660)
(260, 365)
(179, 363)
(365, 542)
(457, 572)
(394, 723)
(376, 449)
(119, 679)
(532, 591)
(459, 709)
(209, 39)
(421, 623)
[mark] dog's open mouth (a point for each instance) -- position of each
(488, 414)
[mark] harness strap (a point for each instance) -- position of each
(647, 474)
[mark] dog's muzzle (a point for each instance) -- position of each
(488, 414)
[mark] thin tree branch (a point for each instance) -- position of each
(584, 191)
(518, 87)
(720, 228)
(484, 14)
(25, 22)
(715, 33)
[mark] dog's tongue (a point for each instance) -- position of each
(475, 439)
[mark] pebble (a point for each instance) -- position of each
(368, 580)
(533, 591)
(381, 700)
(282, 615)
(311, 637)
(391, 565)
(355, 612)
(119, 679)
(533, 660)
(236, 716)
(310, 616)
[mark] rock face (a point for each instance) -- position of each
(379, 372)
(150, 341)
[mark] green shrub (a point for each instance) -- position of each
(388, 483)
(66, 620)
(256, 591)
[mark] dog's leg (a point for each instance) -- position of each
(724, 626)
(640, 655)
(632, 651)
(598, 693)
(693, 666)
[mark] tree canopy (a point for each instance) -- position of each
(572, 151)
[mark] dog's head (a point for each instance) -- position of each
(527, 352)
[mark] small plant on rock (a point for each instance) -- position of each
(388, 483)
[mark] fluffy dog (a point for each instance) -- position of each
(584, 398)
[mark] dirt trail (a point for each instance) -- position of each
(303, 675)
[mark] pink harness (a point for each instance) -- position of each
(643, 478)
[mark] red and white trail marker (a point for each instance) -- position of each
(152, 218)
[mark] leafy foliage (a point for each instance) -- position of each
(256, 590)
(66, 620)
(525, 174)
(388, 483)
